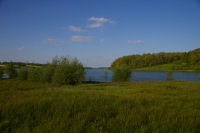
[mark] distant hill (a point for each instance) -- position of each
(161, 61)
(21, 64)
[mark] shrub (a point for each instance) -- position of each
(34, 75)
(49, 69)
(11, 71)
(121, 73)
(23, 74)
(170, 75)
(68, 72)
(47, 73)
(1, 73)
(197, 67)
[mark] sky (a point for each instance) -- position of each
(96, 31)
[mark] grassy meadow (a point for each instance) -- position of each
(170, 67)
(124, 107)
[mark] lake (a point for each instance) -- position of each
(103, 75)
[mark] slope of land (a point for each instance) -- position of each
(187, 61)
(170, 67)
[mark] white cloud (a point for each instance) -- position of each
(75, 29)
(20, 49)
(95, 25)
(98, 22)
(79, 38)
(50, 40)
(135, 41)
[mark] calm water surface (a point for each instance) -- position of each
(102, 75)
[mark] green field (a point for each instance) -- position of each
(170, 67)
(126, 107)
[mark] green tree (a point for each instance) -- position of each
(49, 69)
(194, 56)
(48, 72)
(68, 72)
(23, 74)
(147, 60)
(170, 75)
(1, 73)
(11, 71)
(121, 73)
(35, 75)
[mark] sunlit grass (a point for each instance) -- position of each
(170, 67)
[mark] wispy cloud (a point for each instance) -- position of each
(51, 40)
(76, 29)
(98, 22)
(20, 49)
(95, 25)
(79, 38)
(135, 41)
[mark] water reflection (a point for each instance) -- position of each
(170, 75)
(105, 76)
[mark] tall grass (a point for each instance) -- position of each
(126, 107)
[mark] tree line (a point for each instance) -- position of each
(21, 64)
(148, 60)
(61, 71)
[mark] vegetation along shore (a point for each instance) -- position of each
(174, 61)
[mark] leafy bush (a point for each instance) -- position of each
(1, 73)
(197, 67)
(68, 72)
(34, 75)
(121, 73)
(23, 74)
(170, 75)
(11, 71)
(48, 72)
(49, 69)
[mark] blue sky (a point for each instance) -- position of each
(96, 31)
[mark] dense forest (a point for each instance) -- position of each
(176, 60)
